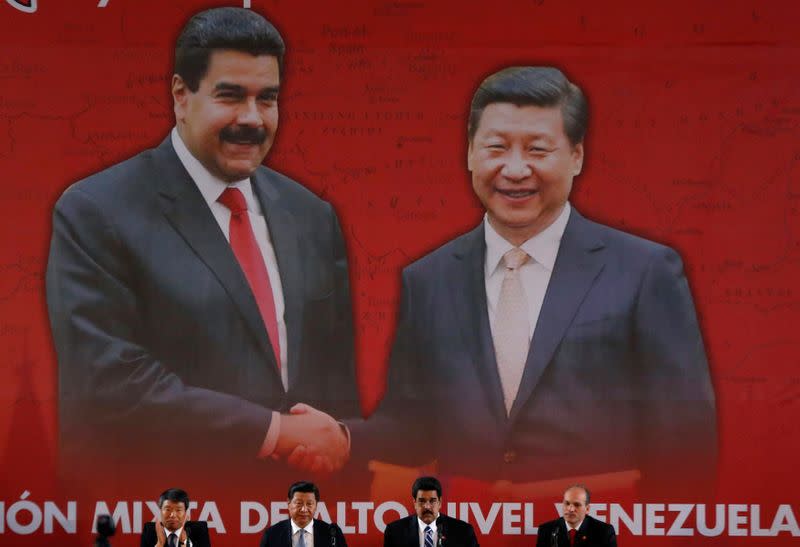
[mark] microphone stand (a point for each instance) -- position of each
(334, 528)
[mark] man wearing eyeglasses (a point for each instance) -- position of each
(428, 527)
(301, 529)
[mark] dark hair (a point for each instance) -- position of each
(176, 495)
(304, 486)
(581, 487)
(426, 483)
(237, 29)
(537, 86)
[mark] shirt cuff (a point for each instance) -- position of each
(346, 432)
(271, 440)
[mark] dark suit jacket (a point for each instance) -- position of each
(159, 339)
(616, 377)
(197, 531)
(405, 532)
(592, 533)
(280, 535)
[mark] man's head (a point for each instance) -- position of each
(303, 498)
(427, 495)
(228, 63)
(174, 505)
(576, 504)
(526, 129)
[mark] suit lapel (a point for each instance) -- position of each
(577, 265)
(287, 535)
(413, 532)
(582, 537)
(317, 534)
(184, 207)
(468, 300)
(283, 232)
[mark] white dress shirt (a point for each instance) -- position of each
(211, 187)
(568, 527)
(309, 528)
(177, 538)
(534, 274)
(422, 526)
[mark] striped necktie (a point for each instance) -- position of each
(428, 536)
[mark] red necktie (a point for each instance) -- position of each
(572, 533)
(250, 259)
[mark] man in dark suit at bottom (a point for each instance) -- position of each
(576, 528)
(301, 529)
(172, 529)
(428, 527)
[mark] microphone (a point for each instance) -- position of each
(105, 529)
(440, 537)
(334, 529)
(554, 537)
(186, 529)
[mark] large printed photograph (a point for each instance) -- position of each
(524, 263)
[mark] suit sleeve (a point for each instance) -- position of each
(543, 537)
(387, 537)
(611, 537)
(148, 537)
(393, 433)
(472, 539)
(343, 396)
(199, 535)
(107, 376)
(341, 541)
(678, 432)
(264, 539)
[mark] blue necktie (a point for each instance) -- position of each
(428, 537)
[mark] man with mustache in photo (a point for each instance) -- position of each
(196, 296)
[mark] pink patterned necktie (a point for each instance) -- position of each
(512, 327)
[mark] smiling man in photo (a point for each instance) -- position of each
(197, 296)
(542, 345)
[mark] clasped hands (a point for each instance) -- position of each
(161, 535)
(312, 440)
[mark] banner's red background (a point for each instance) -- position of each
(693, 142)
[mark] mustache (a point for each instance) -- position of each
(243, 134)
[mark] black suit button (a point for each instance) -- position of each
(510, 456)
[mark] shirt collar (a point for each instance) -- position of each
(210, 185)
(543, 247)
(422, 525)
(308, 528)
(177, 534)
(570, 528)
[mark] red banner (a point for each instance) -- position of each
(692, 142)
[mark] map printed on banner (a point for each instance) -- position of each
(694, 141)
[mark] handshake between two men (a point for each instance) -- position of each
(200, 302)
(311, 440)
